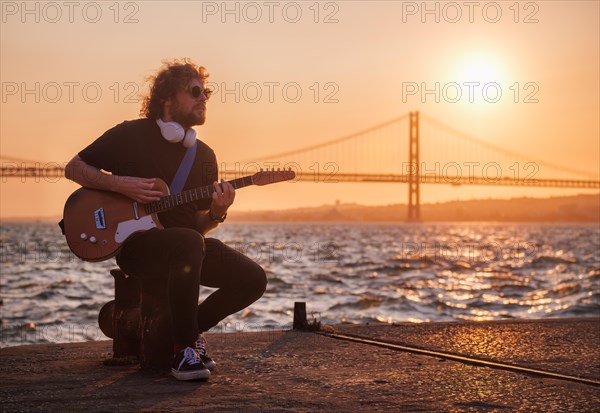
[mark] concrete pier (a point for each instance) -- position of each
(290, 371)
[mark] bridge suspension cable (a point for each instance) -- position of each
(380, 154)
(432, 123)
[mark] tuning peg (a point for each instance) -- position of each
(261, 169)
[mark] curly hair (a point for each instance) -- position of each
(174, 76)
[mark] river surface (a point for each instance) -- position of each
(346, 273)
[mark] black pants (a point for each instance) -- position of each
(184, 259)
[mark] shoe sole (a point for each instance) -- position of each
(191, 375)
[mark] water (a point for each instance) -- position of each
(344, 272)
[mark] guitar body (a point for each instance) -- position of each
(96, 223)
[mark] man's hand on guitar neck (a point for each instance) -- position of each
(222, 198)
(139, 189)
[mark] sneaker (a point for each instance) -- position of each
(187, 365)
(201, 349)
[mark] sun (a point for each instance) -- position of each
(481, 80)
(480, 69)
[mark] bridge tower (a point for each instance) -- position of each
(414, 205)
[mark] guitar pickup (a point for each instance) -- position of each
(100, 219)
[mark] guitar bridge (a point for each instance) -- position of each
(99, 218)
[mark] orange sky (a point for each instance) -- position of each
(62, 56)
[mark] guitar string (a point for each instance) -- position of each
(170, 201)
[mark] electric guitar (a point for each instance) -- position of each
(96, 222)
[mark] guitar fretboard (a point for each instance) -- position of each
(191, 195)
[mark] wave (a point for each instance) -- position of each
(362, 303)
(326, 278)
(549, 259)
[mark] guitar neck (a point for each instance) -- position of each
(191, 195)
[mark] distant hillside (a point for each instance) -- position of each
(580, 208)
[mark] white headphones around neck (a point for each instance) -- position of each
(174, 132)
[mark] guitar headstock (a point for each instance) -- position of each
(272, 176)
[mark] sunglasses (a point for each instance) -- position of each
(196, 91)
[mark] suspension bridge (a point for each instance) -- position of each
(413, 149)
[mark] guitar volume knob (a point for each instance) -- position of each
(93, 240)
(83, 236)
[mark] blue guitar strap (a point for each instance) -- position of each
(184, 169)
